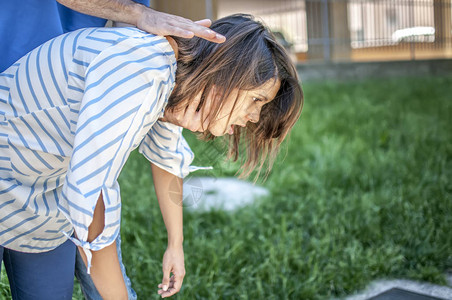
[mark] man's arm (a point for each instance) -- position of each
(145, 18)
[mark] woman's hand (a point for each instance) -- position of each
(190, 118)
(173, 262)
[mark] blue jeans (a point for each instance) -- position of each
(86, 283)
(41, 276)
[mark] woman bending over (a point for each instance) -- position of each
(73, 109)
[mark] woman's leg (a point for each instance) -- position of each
(86, 283)
(106, 273)
(47, 275)
(105, 265)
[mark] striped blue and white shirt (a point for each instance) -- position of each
(71, 111)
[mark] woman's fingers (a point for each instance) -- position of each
(171, 281)
(166, 278)
(173, 262)
(174, 288)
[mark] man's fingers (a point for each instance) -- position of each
(179, 31)
(216, 38)
(161, 23)
(204, 22)
(187, 29)
(200, 29)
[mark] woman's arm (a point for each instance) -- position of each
(168, 189)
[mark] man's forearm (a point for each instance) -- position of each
(168, 189)
(125, 11)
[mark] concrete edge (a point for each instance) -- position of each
(377, 287)
(343, 71)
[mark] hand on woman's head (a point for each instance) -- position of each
(161, 23)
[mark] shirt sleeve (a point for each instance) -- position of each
(126, 88)
(165, 146)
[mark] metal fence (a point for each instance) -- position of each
(357, 30)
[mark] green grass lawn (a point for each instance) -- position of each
(361, 191)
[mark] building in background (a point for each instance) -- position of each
(191, 9)
(341, 30)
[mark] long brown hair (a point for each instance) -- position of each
(250, 57)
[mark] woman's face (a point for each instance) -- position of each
(248, 108)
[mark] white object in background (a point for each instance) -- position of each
(414, 34)
(206, 193)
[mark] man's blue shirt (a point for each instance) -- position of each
(24, 25)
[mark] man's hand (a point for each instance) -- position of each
(165, 24)
(145, 18)
(189, 117)
(173, 262)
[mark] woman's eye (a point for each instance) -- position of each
(257, 99)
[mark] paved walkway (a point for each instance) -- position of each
(376, 290)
